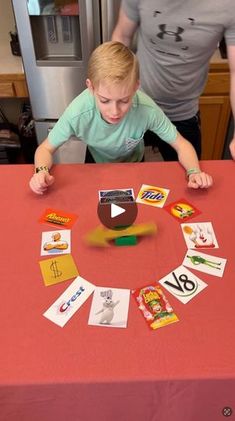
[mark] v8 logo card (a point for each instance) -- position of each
(183, 284)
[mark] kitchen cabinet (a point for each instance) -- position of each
(215, 109)
(13, 85)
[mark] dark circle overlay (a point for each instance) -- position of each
(124, 201)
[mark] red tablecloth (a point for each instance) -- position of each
(184, 371)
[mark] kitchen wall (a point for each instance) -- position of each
(11, 107)
(7, 22)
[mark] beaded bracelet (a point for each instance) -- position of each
(192, 171)
(42, 168)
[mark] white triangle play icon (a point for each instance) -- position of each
(116, 210)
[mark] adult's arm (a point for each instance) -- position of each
(188, 159)
(124, 29)
(231, 60)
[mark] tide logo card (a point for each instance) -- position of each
(153, 196)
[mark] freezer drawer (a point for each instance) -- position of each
(72, 152)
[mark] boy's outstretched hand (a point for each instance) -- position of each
(200, 180)
(40, 182)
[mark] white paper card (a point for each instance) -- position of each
(70, 301)
(199, 235)
(56, 242)
(109, 307)
(205, 263)
(183, 284)
(152, 195)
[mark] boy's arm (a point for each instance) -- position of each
(44, 155)
(125, 29)
(43, 159)
(188, 159)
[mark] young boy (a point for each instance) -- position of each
(111, 117)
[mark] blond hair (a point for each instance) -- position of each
(112, 62)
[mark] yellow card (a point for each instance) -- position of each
(152, 195)
(58, 269)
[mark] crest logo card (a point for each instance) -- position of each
(70, 301)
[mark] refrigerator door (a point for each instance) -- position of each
(56, 39)
(73, 151)
(109, 17)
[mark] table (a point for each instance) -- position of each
(184, 371)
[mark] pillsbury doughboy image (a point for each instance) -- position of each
(107, 312)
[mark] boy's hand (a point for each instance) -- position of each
(40, 182)
(200, 180)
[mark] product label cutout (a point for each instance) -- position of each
(182, 210)
(153, 196)
(57, 217)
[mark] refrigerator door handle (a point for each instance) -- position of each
(92, 22)
(109, 16)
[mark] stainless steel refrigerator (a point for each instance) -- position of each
(56, 39)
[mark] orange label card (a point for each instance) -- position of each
(58, 269)
(58, 217)
(182, 210)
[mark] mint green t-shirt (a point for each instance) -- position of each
(122, 142)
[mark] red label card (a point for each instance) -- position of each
(59, 218)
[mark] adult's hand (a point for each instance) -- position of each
(200, 180)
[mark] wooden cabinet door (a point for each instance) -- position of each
(215, 113)
(13, 86)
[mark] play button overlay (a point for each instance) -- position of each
(117, 214)
(116, 210)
